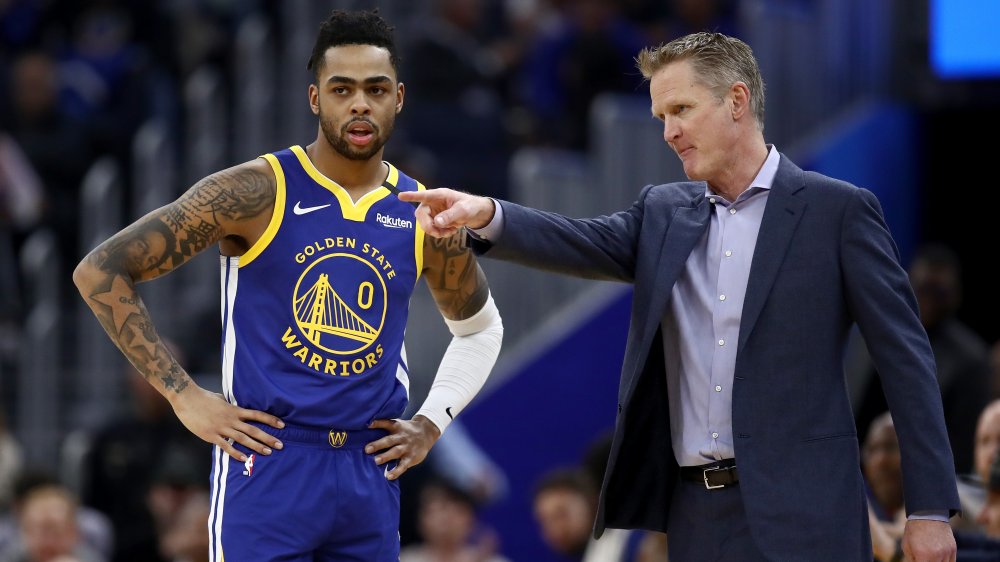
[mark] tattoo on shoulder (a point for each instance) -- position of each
(235, 194)
(454, 277)
(165, 240)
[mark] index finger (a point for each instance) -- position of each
(388, 425)
(262, 417)
(416, 196)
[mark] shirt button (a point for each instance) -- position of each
(718, 388)
(722, 297)
(732, 211)
(729, 253)
(711, 199)
(722, 342)
(715, 435)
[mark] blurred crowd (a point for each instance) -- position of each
(78, 79)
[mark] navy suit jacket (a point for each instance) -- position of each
(824, 260)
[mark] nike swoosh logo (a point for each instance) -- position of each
(386, 472)
(448, 411)
(299, 210)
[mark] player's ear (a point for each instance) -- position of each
(400, 92)
(314, 99)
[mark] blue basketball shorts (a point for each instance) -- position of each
(319, 499)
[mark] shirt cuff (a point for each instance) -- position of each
(494, 229)
(930, 515)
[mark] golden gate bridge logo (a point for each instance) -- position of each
(340, 306)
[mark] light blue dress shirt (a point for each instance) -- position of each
(702, 324)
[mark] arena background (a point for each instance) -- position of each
(140, 99)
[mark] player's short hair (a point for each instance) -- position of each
(718, 60)
(353, 28)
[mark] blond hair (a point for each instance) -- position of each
(718, 60)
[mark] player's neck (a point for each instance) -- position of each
(356, 176)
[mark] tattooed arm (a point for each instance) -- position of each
(463, 298)
(455, 279)
(231, 207)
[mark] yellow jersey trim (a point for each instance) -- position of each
(418, 239)
(276, 214)
(354, 211)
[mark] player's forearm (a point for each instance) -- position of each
(111, 295)
(465, 366)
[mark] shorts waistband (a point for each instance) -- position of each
(323, 437)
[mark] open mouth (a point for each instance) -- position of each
(360, 133)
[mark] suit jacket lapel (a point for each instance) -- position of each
(781, 217)
(687, 226)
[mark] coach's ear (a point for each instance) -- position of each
(739, 99)
(400, 93)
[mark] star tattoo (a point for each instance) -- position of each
(120, 307)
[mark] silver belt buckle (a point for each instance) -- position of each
(705, 477)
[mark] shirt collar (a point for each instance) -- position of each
(763, 181)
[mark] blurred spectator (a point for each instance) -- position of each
(178, 501)
(590, 52)
(146, 444)
(47, 520)
(565, 506)
(972, 486)
(57, 145)
(186, 538)
(881, 462)
(93, 526)
(450, 529)
(989, 516)
(972, 546)
(960, 353)
(987, 440)
(565, 503)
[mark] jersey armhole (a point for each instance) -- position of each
(276, 214)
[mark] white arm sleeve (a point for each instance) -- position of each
(466, 364)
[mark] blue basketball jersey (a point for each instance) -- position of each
(314, 312)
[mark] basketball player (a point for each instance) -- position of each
(319, 258)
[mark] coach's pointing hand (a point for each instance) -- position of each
(443, 211)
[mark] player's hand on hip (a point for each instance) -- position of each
(929, 541)
(408, 443)
(209, 416)
(443, 211)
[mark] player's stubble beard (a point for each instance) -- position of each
(338, 140)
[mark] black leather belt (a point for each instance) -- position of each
(716, 475)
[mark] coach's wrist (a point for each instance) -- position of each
(485, 211)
